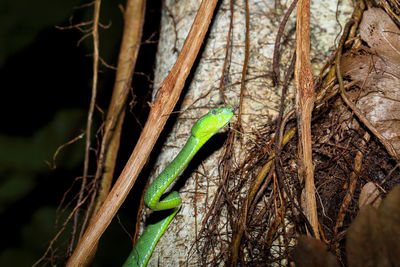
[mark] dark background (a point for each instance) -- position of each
(45, 92)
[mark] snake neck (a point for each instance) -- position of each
(171, 172)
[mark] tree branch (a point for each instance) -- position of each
(305, 94)
(161, 108)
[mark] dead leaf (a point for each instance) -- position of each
(381, 34)
(377, 70)
(311, 252)
(369, 196)
(373, 237)
(389, 215)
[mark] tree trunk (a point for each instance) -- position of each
(215, 83)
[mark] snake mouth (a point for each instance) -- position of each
(226, 124)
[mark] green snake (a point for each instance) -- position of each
(202, 130)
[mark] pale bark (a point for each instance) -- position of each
(261, 99)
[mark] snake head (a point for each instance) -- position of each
(212, 122)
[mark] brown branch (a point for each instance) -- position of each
(258, 181)
(161, 108)
(227, 50)
(275, 60)
(95, 34)
(245, 65)
(134, 18)
(242, 220)
(329, 84)
(352, 184)
(304, 106)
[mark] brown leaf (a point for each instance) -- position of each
(377, 71)
(311, 252)
(369, 195)
(373, 237)
(389, 216)
(380, 33)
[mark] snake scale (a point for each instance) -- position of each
(202, 130)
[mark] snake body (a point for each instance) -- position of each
(202, 130)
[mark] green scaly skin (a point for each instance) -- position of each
(202, 130)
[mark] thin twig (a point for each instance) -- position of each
(63, 227)
(227, 51)
(247, 209)
(352, 184)
(134, 18)
(95, 35)
(242, 220)
(275, 60)
(245, 64)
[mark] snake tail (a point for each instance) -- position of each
(201, 132)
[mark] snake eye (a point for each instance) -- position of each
(213, 111)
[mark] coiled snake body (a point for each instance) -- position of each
(202, 130)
